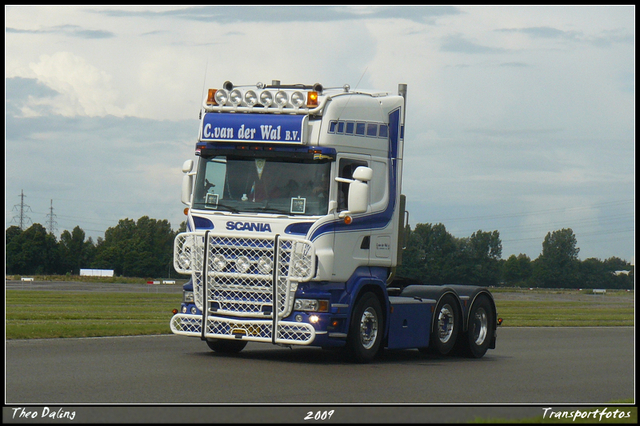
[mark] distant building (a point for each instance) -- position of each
(96, 272)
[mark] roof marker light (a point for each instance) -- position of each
(211, 100)
(312, 99)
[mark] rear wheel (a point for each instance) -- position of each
(226, 346)
(475, 342)
(365, 330)
(446, 324)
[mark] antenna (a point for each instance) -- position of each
(365, 71)
(358, 84)
(204, 85)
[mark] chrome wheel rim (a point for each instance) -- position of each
(368, 328)
(445, 323)
(480, 326)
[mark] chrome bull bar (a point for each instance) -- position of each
(244, 286)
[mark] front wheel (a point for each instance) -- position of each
(481, 326)
(226, 346)
(365, 330)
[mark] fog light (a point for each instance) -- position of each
(282, 98)
(300, 268)
(251, 98)
(265, 265)
(243, 264)
(235, 97)
(219, 262)
(298, 318)
(221, 97)
(266, 98)
(297, 99)
(194, 310)
(313, 319)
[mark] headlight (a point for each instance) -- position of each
(187, 297)
(311, 305)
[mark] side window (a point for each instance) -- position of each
(346, 168)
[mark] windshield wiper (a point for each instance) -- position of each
(274, 210)
(229, 208)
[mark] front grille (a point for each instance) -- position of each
(240, 272)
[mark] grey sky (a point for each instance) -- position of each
(520, 118)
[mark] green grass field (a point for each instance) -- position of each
(48, 314)
(52, 314)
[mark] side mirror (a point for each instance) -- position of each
(187, 166)
(358, 200)
(187, 182)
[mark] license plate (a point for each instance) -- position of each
(251, 330)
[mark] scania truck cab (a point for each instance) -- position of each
(294, 231)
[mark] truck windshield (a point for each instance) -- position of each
(262, 185)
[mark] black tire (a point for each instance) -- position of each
(365, 330)
(447, 322)
(226, 346)
(475, 342)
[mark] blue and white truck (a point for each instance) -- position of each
(295, 225)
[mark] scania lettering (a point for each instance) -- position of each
(295, 229)
(248, 226)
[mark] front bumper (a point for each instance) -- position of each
(254, 330)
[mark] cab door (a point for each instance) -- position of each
(351, 242)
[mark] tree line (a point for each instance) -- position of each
(144, 248)
(434, 256)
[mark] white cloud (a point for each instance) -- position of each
(511, 110)
(83, 89)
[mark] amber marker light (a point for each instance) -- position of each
(186, 211)
(323, 306)
(348, 220)
(312, 99)
(175, 311)
(211, 97)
